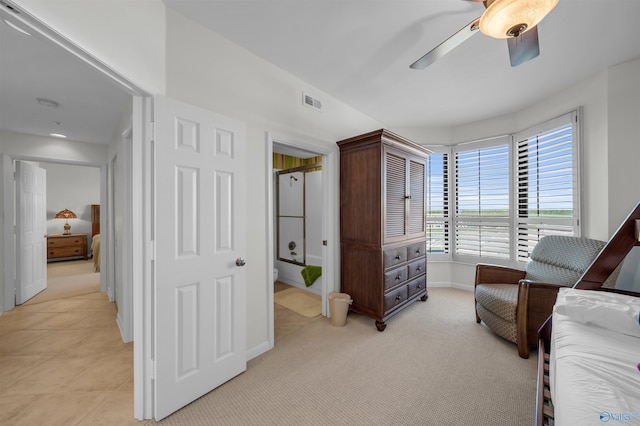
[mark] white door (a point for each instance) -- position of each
(31, 239)
(200, 284)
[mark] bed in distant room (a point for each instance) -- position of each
(95, 236)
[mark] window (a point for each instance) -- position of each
(505, 193)
(437, 203)
(547, 181)
(482, 199)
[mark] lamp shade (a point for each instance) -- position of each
(66, 214)
(510, 18)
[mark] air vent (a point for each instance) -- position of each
(311, 102)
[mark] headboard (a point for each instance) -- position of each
(95, 219)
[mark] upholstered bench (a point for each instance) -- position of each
(514, 303)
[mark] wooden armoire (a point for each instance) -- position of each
(382, 223)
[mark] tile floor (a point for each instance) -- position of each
(63, 362)
(286, 321)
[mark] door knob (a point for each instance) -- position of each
(240, 261)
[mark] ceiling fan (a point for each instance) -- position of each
(515, 20)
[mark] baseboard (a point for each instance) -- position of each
(123, 335)
(257, 350)
(459, 286)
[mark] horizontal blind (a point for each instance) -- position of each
(482, 201)
(546, 191)
(437, 203)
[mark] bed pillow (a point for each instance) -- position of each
(616, 312)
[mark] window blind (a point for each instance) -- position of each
(482, 201)
(437, 203)
(547, 175)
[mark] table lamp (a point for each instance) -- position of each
(66, 214)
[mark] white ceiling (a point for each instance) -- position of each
(91, 105)
(358, 51)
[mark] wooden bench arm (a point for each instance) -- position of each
(494, 274)
(535, 305)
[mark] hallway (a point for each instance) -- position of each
(62, 362)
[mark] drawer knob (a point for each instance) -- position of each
(397, 257)
(398, 277)
(418, 286)
(418, 251)
(398, 297)
(418, 269)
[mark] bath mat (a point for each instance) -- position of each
(302, 302)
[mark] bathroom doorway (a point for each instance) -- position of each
(301, 233)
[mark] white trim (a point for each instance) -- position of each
(142, 153)
(8, 228)
(259, 349)
(446, 284)
(330, 217)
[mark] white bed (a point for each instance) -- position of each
(594, 367)
(95, 252)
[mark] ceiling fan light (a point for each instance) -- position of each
(502, 16)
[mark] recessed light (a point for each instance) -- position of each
(58, 135)
(48, 103)
(17, 28)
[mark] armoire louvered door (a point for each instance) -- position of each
(404, 196)
(395, 197)
(382, 223)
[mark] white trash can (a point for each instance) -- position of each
(338, 308)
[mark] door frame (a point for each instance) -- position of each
(330, 217)
(8, 179)
(140, 236)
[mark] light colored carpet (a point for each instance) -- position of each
(303, 302)
(433, 365)
(68, 279)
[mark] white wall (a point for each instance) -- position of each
(74, 188)
(39, 148)
(610, 150)
(128, 36)
(624, 141)
(35, 148)
(206, 70)
(201, 68)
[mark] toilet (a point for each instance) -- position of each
(275, 274)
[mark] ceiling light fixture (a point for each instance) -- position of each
(58, 135)
(48, 103)
(17, 28)
(510, 18)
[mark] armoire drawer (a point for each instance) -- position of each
(417, 286)
(395, 298)
(416, 250)
(417, 268)
(394, 256)
(394, 277)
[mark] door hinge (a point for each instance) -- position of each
(151, 131)
(151, 250)
(152, 366)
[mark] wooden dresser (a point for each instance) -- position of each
(382, 223)
(59, 246)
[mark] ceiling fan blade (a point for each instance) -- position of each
(446, 46)
(524, 47)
